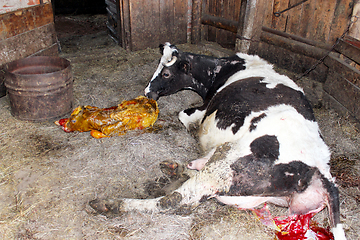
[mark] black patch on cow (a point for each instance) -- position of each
(190, 111)
(256, 120)
(265, 147)
(256, 174)
(334, 201)
(239, 99)
(229, 66)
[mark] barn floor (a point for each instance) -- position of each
(48, 176)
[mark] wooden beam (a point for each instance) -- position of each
(350, 47)
(24, 20)
(220, 22)
(293, 46)
(340, 66)
(297, 38)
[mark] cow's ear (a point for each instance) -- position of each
(184, 66)
(161, 47)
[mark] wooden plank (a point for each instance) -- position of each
(292, 45)
(43, 14)
(166, 21)
(28, 43)
(268, 13)
(349, 50)
(219, 22)
(307, 15)
(321, 23)
(144, 24)
(279, 23)
(340, 20)
(289, 60)
(294, 17)
(23, 20)
(125, 31)
(180, 21)
(297, 38)
(340, 66)
(344, 91)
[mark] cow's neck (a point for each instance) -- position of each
(209, 73)
(203, 72)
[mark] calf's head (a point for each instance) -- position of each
(172, 74)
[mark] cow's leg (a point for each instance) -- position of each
(191, 116)
(199, 163)
(204, 184)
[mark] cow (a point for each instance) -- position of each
(261, 141)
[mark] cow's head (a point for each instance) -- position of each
(172, 74)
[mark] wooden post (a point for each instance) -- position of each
(250, 24)
(241, 23)
(355, 28)
(195, 22)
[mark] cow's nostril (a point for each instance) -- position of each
(152, 95)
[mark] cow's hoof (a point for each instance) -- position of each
(171, 169)
(170, 201)
(106, 207)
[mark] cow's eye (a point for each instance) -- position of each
(166, 75)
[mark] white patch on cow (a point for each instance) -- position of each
(217, 69)
(244, 202)
(257, 67)
(338, 232)
(211, 136)
(166, 57)
(299, 138)
(234, 62)
(196, 117)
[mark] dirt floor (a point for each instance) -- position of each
(47, 176)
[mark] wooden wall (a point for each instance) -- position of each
(25, 32)
(142, 24)
(319, 21)
(227, 9)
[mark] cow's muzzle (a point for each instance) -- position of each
(152, 95)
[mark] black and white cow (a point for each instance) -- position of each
(259, 132)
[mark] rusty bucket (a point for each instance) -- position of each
(39, 88)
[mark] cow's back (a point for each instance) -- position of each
(237, 107)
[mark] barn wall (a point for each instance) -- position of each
(295, 40)
(227, 9)
(13, 5)
(140, 24)
(25, 32)
(319, 21)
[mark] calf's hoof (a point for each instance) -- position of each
(170, 201)
(107, 207)
(171, 169)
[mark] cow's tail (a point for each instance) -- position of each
(333, 203)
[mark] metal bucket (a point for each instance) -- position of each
(39, 88)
